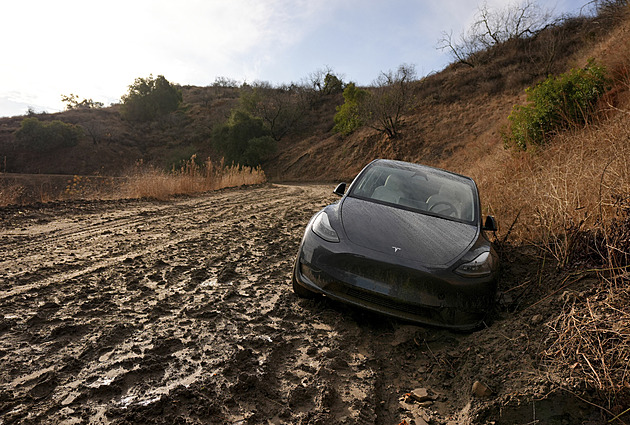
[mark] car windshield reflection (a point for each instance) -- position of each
(428, 191)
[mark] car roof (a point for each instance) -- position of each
(411, 166)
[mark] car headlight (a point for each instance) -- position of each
(323, 229)
(479, 267)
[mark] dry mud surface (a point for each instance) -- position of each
(182, 312)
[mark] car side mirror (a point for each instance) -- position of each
(340, 189)
(491, 224)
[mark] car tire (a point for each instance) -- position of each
(298, 289)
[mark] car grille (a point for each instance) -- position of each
(389, 303)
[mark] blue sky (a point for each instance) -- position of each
(96, 49)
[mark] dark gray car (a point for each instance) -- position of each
(405, 240)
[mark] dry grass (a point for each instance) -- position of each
(10, 194)
(86, 187)
(571, 199)
(143, 181)
(590, 340)
(569, 186)
(150, 182)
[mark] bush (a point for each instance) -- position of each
(150, 98)
(348, 116)
(332, 84)
(47, 136)
(556, 104)
(243, 139)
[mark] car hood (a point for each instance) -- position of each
(432, 241)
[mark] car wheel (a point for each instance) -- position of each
(298, 289)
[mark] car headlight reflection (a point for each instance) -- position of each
(323, 229)
(479, 267)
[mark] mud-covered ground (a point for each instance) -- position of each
(182, 312)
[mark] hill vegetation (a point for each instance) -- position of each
(561, 189)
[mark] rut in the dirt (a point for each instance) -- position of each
(167, 309)
(167, 312)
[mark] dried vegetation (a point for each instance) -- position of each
(571, 200)
(142, 181)
(191, 177)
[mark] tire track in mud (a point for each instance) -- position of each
(182, 312)
(203, 306)
(103, 234)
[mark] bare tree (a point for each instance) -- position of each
(315, 80)
(279, 107)
(464, 50)
(324, 81)
(225, 82)
(390, 97)
(94, 129)
(520, 19)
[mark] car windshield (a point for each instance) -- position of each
(422, 189)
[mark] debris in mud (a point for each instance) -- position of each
(481, 390)
(227, 273)
(420, 395)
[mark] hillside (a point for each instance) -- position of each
(458, 108)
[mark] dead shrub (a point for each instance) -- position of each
(87, 187)
(589, 341)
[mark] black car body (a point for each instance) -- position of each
(405, 240)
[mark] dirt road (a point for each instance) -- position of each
(182, 312)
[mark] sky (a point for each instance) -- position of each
(96, 49)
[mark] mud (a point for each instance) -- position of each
(182, 312)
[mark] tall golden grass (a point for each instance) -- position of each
(10, 193)
(143, 181)
(191, 177)
(574, 183)
(571, 199)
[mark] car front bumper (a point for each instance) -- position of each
(394, 287)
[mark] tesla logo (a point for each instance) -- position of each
(396, 249)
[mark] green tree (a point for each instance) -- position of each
(47, 136)
(150, 98)
(348, 117)
(332, 84)
(73, 101)
(243, 139)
